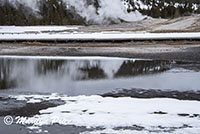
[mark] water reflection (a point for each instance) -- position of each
(5, 72)
(49, 73)
(129, 68)
(44, 67)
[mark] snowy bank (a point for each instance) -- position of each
(109, 113)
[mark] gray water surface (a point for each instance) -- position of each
(89, 76)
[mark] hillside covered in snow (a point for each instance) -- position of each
(85, 12)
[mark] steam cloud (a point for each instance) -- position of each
(108, 10)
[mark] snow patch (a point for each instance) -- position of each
(102, 36)
(35, 98)
(33, 29)
(109, 113)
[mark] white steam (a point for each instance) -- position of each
(109, 10)
(33, 4)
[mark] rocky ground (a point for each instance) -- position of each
(181, 24)
(182, 50)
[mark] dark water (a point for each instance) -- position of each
(79, 76)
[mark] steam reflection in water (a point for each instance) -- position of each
(89, 76)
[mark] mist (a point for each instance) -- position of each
(107, 10)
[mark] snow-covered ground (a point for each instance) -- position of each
(34, 29)
(159, 115)
(93, 36)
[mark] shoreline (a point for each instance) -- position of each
(178, 51)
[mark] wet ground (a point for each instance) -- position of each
(74, 76)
